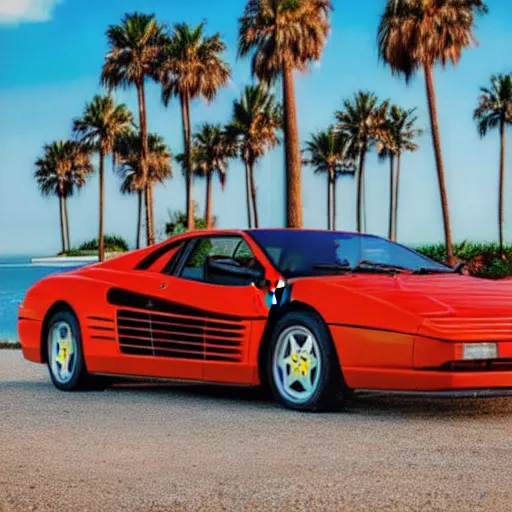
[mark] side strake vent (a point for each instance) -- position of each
(101, 328)
(187, 337)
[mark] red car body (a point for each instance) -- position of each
(396, 332)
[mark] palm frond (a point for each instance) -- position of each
(134, 48)
(281, 33)
(328, 152)
(102, 122)
(494, 104)
(64, 168)
(415, 33)
(128, 151)
(191, 64)
(255, 123)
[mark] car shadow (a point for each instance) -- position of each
(361, 404)
(225, 393)
(380, 404)
(370, 405)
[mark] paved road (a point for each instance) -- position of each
(175, 447)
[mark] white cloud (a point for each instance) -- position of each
(13, 12)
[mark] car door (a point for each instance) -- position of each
(205, 323)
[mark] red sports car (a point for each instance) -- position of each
(312, 314)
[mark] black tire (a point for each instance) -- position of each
(80, 379)
(330, 390)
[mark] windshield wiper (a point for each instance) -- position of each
(370, 266)
(332, 266)
(361, 267)
(427, 270)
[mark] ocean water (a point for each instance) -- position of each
(17, 274)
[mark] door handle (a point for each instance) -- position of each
(163, 286)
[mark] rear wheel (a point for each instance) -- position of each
(65, 356)
(302, 365)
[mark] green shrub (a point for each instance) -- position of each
(178, 222)
(482, 259)
(10, 345)
(78, 252)
(113, 243)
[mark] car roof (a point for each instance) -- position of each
(310, 230)
(249, 231)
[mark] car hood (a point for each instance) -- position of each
(446, 306)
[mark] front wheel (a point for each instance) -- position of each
(302, 364)
(65, 356)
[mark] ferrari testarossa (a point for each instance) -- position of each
(312, 314)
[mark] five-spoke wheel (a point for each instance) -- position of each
(302, 365)
(65, 357)
(296, 366)
(62, 353)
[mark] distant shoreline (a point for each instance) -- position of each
(64, 260)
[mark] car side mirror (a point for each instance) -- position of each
(229, 271)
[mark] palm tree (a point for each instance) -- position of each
(495, 111)
(399, 137)
(284, 36)
(64, 168)
(256, 119)
(191, 66)
(102, 122)
(328, 153)
(416, 34)
(134, 46)
(363, 120)
(210, 155)
(127, 150)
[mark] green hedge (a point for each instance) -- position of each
(113, 243)
(178, 222)
(9, 345)
(482, 259)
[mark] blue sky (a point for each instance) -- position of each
(52, 53)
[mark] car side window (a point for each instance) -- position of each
(233, 248)
(172, 263)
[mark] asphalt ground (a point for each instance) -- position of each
(175, 447)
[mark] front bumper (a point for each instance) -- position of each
(436, 381)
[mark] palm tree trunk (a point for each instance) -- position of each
(502, 182)
(248, 194)
(151, 208)
(391, 194)
(431, 95)
(66, 224)
(333, 187)
(185, 116)
(139, 218)
(329, 206)
(253, 194)
(292, 152)
(61, 216)
(208, 211)
(150, 235)
(101, 246)
(363, 201)
(359, 201)
(397, 196)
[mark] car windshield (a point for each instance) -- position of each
(307, 253)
